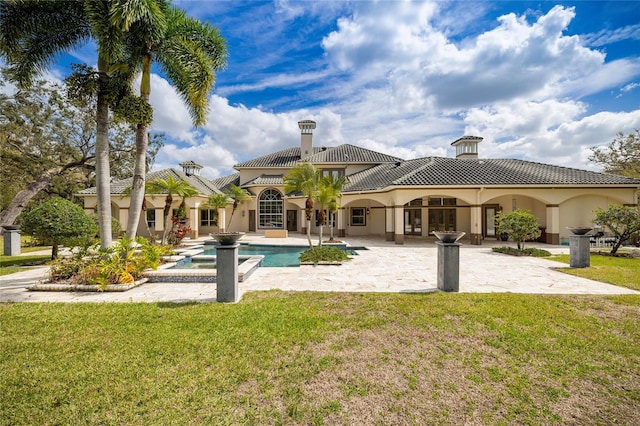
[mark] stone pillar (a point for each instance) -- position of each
(448, 266)
(553, 224)
(476, 225)
(579, 251)
(398, 224)
(11, 242)
(341, 223)
(194, 222)
(388, 223)
(227, 274)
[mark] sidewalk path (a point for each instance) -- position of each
(384, 267)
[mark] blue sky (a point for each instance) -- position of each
(540, 81)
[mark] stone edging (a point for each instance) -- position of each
(84, 287)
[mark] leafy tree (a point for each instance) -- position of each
(171, 187)
(33, 33)
(189, 52)
(621, 156)
(239, 196)
(304, 177)
(217, 202)
(58, 221)
(47, 145)
(521, 225)
(622, 221)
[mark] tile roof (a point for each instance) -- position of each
(223, 183)
(203, 185)
(286, 158)
(440, 171)
(345, 153)
(266, 180)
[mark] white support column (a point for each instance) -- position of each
(389, 223)
(194, 222)
(399, 224)
(553, 224)
(123, 217)
(159, 220)
(476, 225)
(340, 222)
(222, 219)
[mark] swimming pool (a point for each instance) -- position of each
(274, 256)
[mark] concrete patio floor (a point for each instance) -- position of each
(384, 267)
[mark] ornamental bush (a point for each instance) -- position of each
(58, 221)
(520, 224)
(622, 221)
(324, 254)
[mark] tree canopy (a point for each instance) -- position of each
(622, 221)
(621, 156)
(47, 146)
(520, 224)
(58, 221)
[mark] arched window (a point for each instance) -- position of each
(270, 209)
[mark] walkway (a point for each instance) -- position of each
(384, 267)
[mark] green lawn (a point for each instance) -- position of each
(324, 358)
(621, 271)
(11, 264)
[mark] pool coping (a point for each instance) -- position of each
(166, 274)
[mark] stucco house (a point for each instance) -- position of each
(391, 197)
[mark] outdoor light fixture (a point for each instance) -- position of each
(242, 213)
(368, 210)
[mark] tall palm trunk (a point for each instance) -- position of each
(167, 218)
(308, 211)
(103, 173)
(142, 143)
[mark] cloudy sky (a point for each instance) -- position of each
(540, 81)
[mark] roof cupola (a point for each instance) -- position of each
(190, 168)
(467, 147)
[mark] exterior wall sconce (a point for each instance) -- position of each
(242, 213)
(368, 211)
(514, 204)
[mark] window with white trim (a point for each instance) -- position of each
(270, 207)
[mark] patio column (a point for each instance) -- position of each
(476, 225)
(159, 220)
(553, 224)
(123, 217)
(399, 224)
(194, 222)
(222, 219)
(388, 223)
(340, 222)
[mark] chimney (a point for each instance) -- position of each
(190, 168)
(306, 138)
(467, 147)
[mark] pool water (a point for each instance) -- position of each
(274, 256)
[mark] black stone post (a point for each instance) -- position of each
(227, 274)
(448, 266)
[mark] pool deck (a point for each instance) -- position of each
(384, 267)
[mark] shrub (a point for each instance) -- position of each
(324, 254)
(534, 252)
(124, 263)
(622, 221)
(520, 224)
(58, 221)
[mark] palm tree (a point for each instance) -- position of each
(189, 52)
(238, 195)
(336, 184)
(217, 202)
(171, 187)
(304, 177)
(327, 195)
(34, 32)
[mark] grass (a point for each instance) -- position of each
(11, 264)
(621, 271)
(324, 358)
